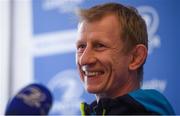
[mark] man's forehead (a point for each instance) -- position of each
(108, 23)
(79, 28)
(84, 26)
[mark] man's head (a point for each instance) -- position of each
(111, 48)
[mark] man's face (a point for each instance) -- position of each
(102, 65)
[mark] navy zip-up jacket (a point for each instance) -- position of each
(145, 102)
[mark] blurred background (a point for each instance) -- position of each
(37, 45)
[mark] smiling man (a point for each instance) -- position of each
(111, 50)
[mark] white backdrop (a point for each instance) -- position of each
(4, 52)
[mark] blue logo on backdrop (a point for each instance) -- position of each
(151, 17)
(68, 83)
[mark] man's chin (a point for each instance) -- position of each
(92, 91)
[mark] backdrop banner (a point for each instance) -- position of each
(54, 34)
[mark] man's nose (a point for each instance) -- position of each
(88, 57)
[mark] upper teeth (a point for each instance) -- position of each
(91, 73)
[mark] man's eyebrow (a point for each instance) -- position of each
(79, 42)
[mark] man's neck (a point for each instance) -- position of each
(130, 86)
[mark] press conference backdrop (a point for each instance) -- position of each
(53, 32)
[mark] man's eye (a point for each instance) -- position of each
(80, 48)
(99, 46)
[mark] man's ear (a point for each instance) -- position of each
(138, 56)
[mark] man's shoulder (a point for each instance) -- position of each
(152, 100)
